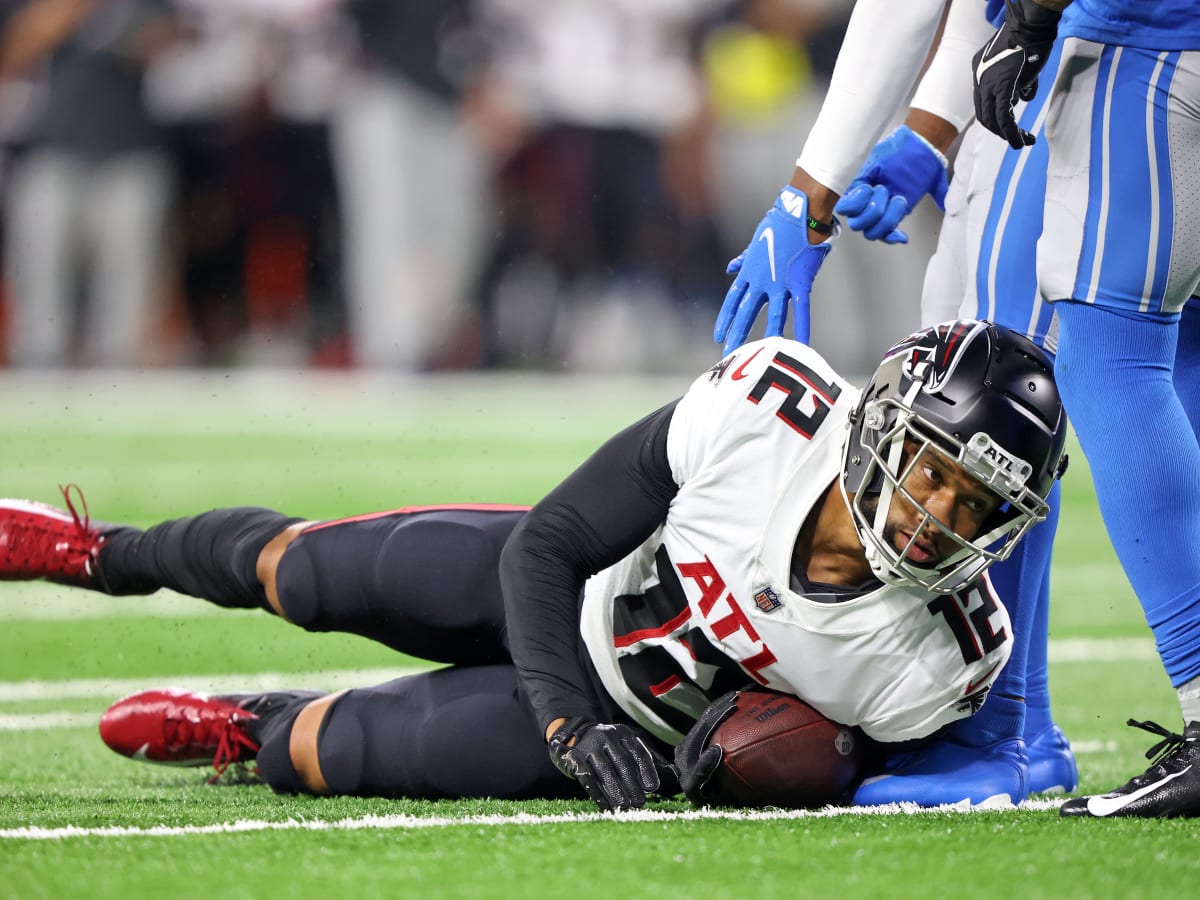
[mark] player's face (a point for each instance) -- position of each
(948, 493)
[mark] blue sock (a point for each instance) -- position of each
(1037, 673)
(1115, 371)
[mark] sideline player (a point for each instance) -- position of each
(983, 267)
(773, 526)
(1013, 744)
(1118, 258)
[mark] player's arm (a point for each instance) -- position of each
(601, 513)
(882, 52)
(911, 161)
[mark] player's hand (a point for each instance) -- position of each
(775, 270)
(902, 169)
(612, 762)
(1006, 69)
(695, 759)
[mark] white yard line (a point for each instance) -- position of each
(113, 688)
(42, 602)
(1090, 650)
(415, 822)
(45, 721)
(280, 404)
(1073, 650)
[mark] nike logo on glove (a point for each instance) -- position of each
(768, 235)
(985, 64)
(1107, 806)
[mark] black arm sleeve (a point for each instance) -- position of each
(602, 512)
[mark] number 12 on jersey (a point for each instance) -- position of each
(972, 630)
(798, 382)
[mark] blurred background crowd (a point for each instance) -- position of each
(411, 185)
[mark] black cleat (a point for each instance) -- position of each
(1169, 789)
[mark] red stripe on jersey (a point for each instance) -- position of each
(405, 510)
(804, 377)
(787, 389)
(792, 425)
(688, 647)
(645, 634)
(671, 681)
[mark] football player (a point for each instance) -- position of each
(983, 266)
(1013, 744)
(1104, 150)
(1118, 260)
(774, 526)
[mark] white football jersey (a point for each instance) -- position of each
(709, 599)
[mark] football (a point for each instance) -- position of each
(779, 751)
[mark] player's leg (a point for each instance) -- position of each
(423, 581)
(984, 268)
(1004, 196)
(1005, 284)
(176, 727)
(1052, 766)
(1146, 469)
(1120, 333)
(455, 732)
(1122, 244)
(212, 555)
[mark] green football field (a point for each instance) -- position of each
(76, 820)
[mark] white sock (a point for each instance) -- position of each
(1189, 700)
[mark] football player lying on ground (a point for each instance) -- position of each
(774, 526)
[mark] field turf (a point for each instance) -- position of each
(78, 821)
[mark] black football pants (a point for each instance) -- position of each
(426, 583)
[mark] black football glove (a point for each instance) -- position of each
(1007, 67)
(696, 761)
(612, 762)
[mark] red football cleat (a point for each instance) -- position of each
(39, 541)
(179, 728)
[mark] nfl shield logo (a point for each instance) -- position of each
(767, 600)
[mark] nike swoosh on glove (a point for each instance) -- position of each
(1007, 68)
(902, 168)
(776, 270)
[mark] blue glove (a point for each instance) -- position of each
(902, 169)
(778, 266)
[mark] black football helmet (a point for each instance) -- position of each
(982, 396)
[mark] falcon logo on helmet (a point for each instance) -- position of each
(938, 348)
(979, 396)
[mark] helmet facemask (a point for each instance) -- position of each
(893, 439)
